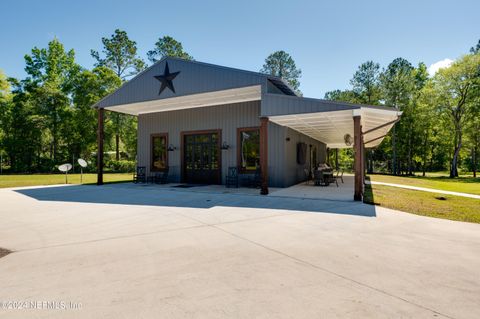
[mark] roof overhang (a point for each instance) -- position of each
(229, 96)
(331, 127)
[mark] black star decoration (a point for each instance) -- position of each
(166, 79)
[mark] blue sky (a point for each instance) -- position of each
(327, 39)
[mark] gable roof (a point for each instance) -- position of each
(193, 78)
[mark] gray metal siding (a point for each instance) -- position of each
(194, 77)
(276, 151)
(275, 104)
(225, 117)
(294, 172)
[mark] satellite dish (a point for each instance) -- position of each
(348, 139)
(82, 162)
(65, 167)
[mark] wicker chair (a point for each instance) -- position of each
(140, 175)
(232, 178)
(162, 178)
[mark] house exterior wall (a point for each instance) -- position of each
(282, 167)
(294, 172)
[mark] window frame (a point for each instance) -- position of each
(240, 130)
(152, 136)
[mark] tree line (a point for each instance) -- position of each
(46, 118)
(440, 125)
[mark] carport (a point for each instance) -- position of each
(337, 124)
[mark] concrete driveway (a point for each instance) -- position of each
(125, 251)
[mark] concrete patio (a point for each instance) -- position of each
(307, 190)
(132, 251)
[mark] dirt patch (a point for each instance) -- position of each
(4, 252)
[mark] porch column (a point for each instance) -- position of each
(264, 155)
(364, 157)
(336, 158)
(100, 137)
(358, 162)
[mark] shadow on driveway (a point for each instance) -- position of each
(130, 194)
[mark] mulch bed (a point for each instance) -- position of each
(4, 252)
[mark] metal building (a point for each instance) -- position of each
(199, 119)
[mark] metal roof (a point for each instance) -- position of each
(193, 78)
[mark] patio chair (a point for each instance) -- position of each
(140, 175)
(162, 178)
(340, 176)
(232, 178)
(335, 178)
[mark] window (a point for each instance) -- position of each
(159, 152)
(248, 148)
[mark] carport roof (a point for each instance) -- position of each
(329, 121)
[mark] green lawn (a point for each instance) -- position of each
(424, 203)
(50, 179)
(463, 184)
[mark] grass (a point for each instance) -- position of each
(424, 203)
(463, 184)
(51, 179)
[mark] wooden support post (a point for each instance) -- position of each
(358, 162)
(100, 137)
(364, 157)
(264, 155)
(336, 159)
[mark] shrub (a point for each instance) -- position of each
(121, 166)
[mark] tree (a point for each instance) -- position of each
(5, 102)
(51, 73)
(21, 130)
(282, 65)
(121, 57)
(475, 49)
(167, 46)
(396, 83)
(90, 87)
(4, 86)
(456, 87)
(473, 132)
(365, 82)
(341, 96)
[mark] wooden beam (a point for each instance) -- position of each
(373, 140)
(358, 162)
(100, 138)
(264, 155)
(382, 126)
(336, 159)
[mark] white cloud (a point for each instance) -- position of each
(433, 68)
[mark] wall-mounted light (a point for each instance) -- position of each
(171, 148)
(287, 139)
(225, 146)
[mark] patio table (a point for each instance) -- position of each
(327, 176)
